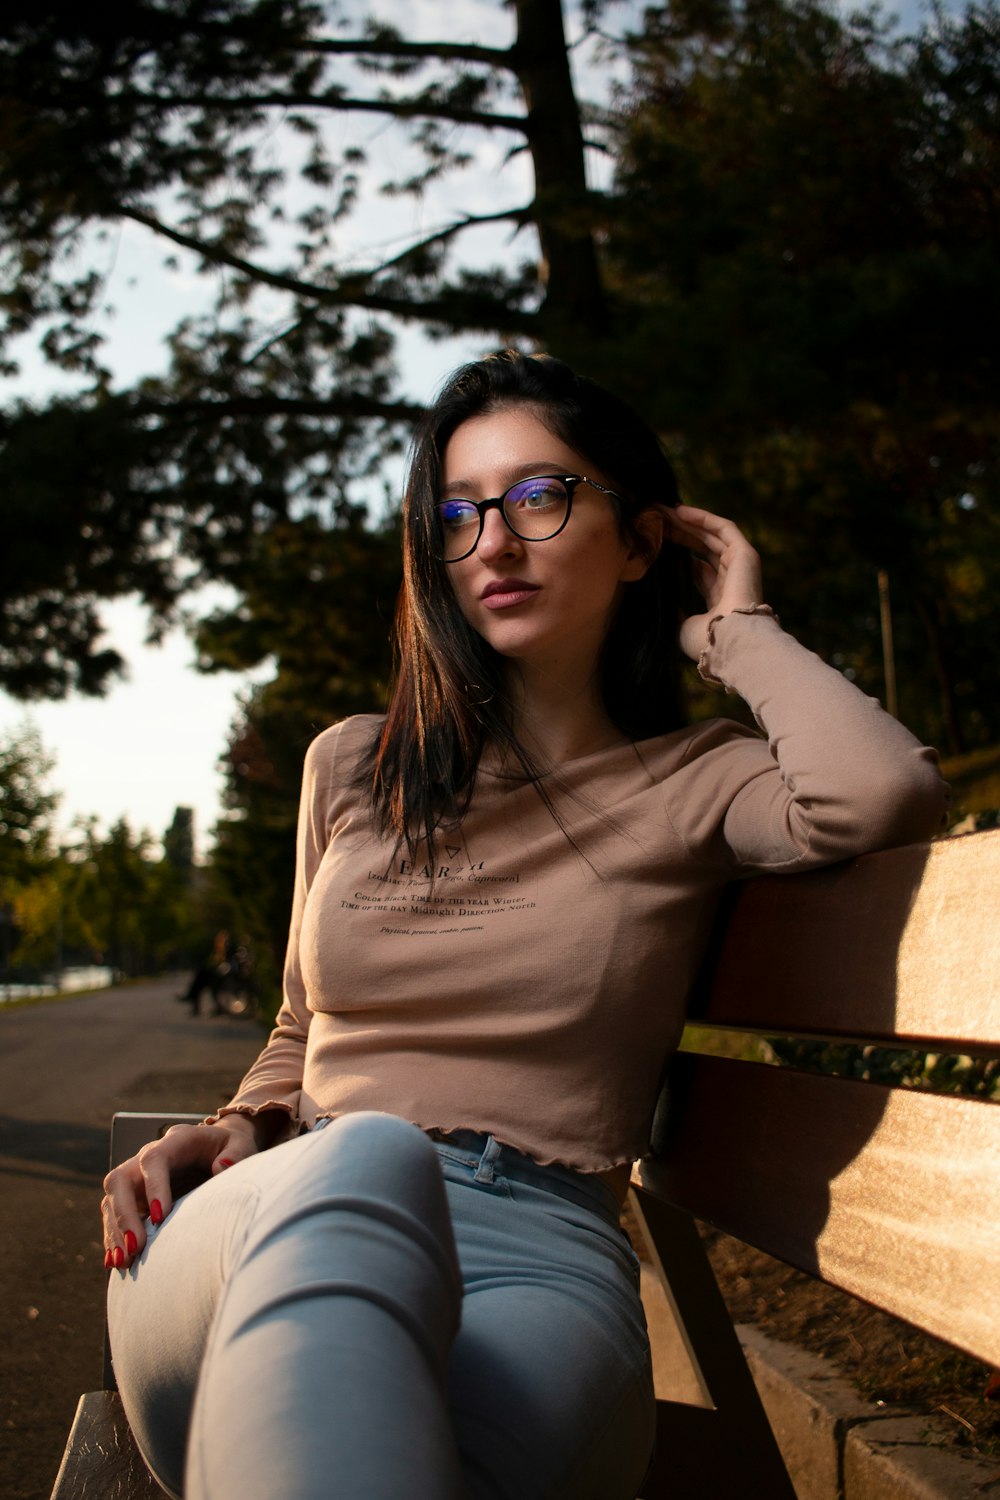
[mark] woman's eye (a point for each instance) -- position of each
(457, 513)
(537, 494)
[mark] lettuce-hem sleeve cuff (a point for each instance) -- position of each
(704, 670)
(294, 1127)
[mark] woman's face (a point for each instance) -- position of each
(546, 603)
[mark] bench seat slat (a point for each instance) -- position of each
(871, 1205)
(101, 1461)
(903, 944)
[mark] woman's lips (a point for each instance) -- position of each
(504, 593)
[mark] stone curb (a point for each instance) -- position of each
(836, 1446)
(839, 1447)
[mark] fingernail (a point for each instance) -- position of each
(109, 1260)
(224, 1161)
(119, 1257)
(156, 1211)
(131, 1243)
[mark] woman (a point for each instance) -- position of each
(405, 1273)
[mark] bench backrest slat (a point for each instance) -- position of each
(891, 1194)
(904, 944)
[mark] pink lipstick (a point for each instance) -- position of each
(505, 593)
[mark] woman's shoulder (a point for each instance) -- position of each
(703, 739)
(350, 736)
(334, 755)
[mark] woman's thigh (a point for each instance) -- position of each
(351, 1216)
(548, 1386)
(550, 1382)
(160, 1311)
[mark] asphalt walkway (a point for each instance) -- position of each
(65, 1067)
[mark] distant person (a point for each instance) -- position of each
(405, 1275)
(238, 992)
(209, 978)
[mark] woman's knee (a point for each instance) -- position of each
(371, 1132)
(350, 1240)
(361, 1212)
(376, 1154)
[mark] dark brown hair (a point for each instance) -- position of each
(449, 697)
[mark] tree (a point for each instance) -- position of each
(178, 844)
(278, 403)
(817, 253)
(794, 276)
(120, 902)
(26, 807)
(329, 662)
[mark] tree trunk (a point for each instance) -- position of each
(575, 297)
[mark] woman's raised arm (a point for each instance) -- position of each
(842, 777)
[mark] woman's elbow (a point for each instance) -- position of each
(910, 802)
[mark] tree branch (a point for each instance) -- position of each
(518, 216)
(401, 109)
(454, 311)
(491, 57)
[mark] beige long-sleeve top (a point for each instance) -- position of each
(533, 989)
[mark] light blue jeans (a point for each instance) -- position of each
(369, 1314)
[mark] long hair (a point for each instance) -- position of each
(449, 697)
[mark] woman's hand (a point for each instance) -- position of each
(141, 1186)
(726, 570)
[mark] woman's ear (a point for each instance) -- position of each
(648, 534)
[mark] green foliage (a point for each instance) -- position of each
(329, 662)
(178, 844)
(161, 491)
(897, 1067)
(105, 897)
(814, 276)
(231, 134)
(110, 889)
(25, 807)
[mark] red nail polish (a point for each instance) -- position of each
(119, 1257)
(131, 1243)
(224, 1161)
(156, 1211)
(109, 1260)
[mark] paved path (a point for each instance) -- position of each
(65, 1067)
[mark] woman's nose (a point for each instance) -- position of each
(497, 539)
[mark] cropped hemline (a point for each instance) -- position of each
(540, 1160)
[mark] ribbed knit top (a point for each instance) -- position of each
(533, 984)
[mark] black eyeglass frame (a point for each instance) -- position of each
(571, 481)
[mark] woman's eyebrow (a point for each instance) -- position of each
(538, 466)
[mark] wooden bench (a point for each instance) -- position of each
(892, 1194)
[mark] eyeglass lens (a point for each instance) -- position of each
(534, 509)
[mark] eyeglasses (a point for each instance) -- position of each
(534, 509)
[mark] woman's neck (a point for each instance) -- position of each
(558, 721)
